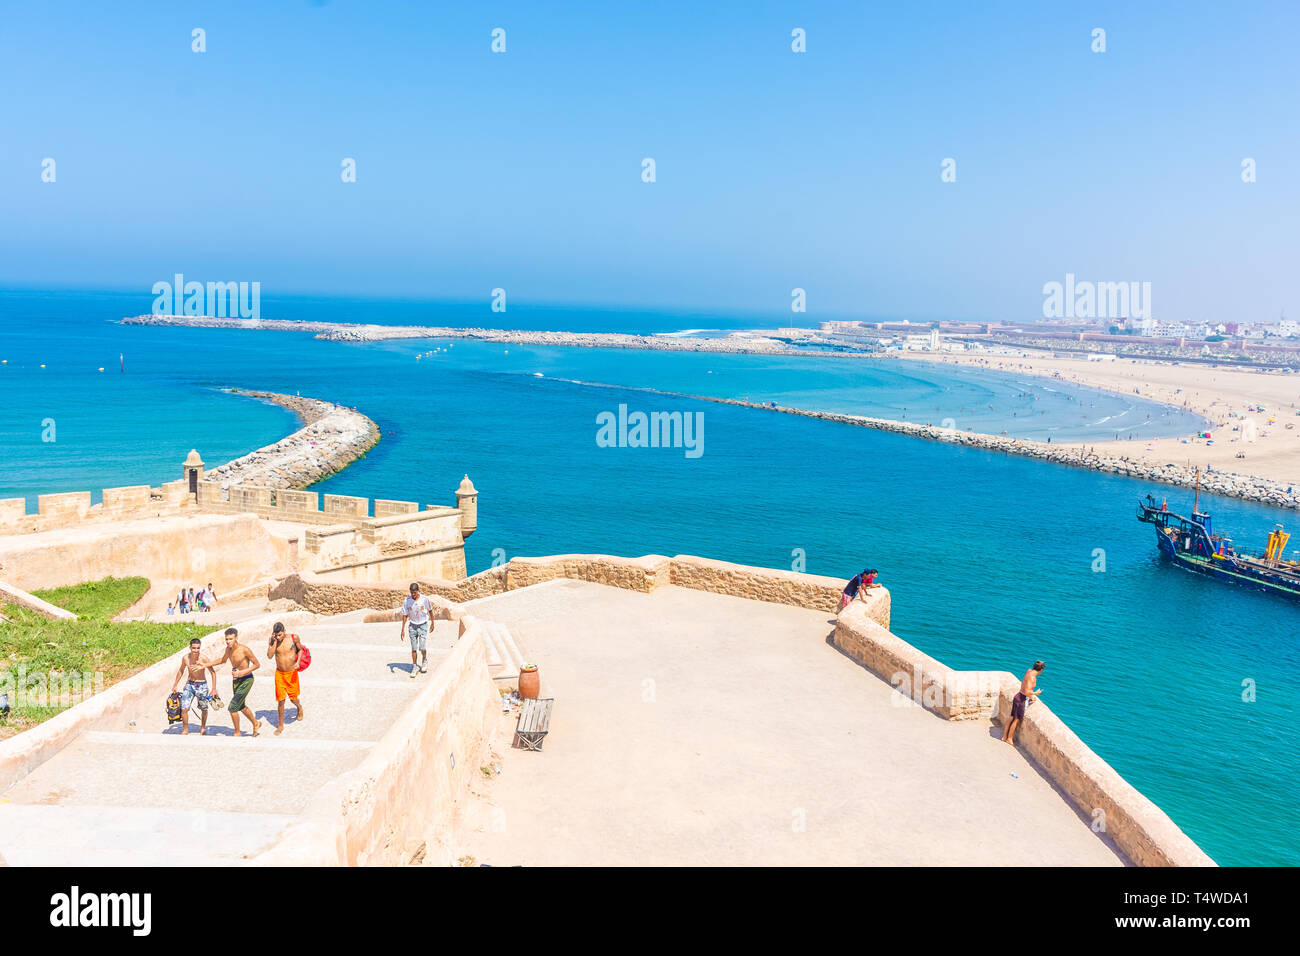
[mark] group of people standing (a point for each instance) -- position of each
(283, 648)
(189, 601)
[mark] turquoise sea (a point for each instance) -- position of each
(990, 558)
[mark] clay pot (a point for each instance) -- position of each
(530, 684)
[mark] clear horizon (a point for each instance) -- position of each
(775, 170)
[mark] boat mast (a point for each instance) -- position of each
(1196, 495)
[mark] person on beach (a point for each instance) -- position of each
(417, 611)
(242, 664)
(212, 597)
(197, 689)
(284, 648)
(857, 587)
(1027, 693)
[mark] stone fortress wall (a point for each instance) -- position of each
(342, 537)
(1139, 828)
(357, 554)
(336, 536)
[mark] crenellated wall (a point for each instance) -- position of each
(333, 535)
(73, 508)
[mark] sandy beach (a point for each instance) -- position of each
(1223, 395)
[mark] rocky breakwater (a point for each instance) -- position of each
(332, 437)
(734, 343)
(1247, 487)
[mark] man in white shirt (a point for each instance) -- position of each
(417, 610)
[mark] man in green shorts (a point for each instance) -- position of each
(242, 663)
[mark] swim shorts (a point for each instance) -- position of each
(194, 690)
(419, 635)
(241, 686)
(286, 685)
(1018, 707)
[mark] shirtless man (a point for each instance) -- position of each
(1027, 693)
(196, 686)
(283, 649)
(242, 664)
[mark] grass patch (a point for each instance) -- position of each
(99, 600)
(57, 655)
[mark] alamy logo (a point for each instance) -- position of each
(103, 909)
(1096, 300)
(54, 689)
(222, 300)
(653, 430)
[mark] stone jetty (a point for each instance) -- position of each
(332, 437)
(734, 343)
(1247, 487)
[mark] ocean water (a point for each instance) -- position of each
(993, 560)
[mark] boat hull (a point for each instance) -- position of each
(1227, 571)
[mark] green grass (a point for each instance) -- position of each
(97, 599)
(94, 644)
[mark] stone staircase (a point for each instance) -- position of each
(138, 793)
(503, 654)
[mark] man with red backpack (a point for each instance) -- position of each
(290, 657)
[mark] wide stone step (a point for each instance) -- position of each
(193, 773)
(121, 739)
(97, 835)
(503, 654)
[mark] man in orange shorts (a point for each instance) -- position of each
(283, 649)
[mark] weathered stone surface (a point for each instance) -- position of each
(643, 574)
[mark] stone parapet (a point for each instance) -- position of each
(1140, 829)
(405, 798)
(30, 602)
(764, 584)
(325, 596)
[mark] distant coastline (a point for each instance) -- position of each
(735, 342)
(1121, 458)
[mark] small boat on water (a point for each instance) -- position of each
(1192, 544)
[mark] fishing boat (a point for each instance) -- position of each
(1191, 543)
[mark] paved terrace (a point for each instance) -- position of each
(140, 794)
(697, 728)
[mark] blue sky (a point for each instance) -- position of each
(522, 170)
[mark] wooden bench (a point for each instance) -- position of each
(534, 719)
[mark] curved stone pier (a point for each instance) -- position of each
(332, 437)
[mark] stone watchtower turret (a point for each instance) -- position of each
(467, 502)
(192, 472)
